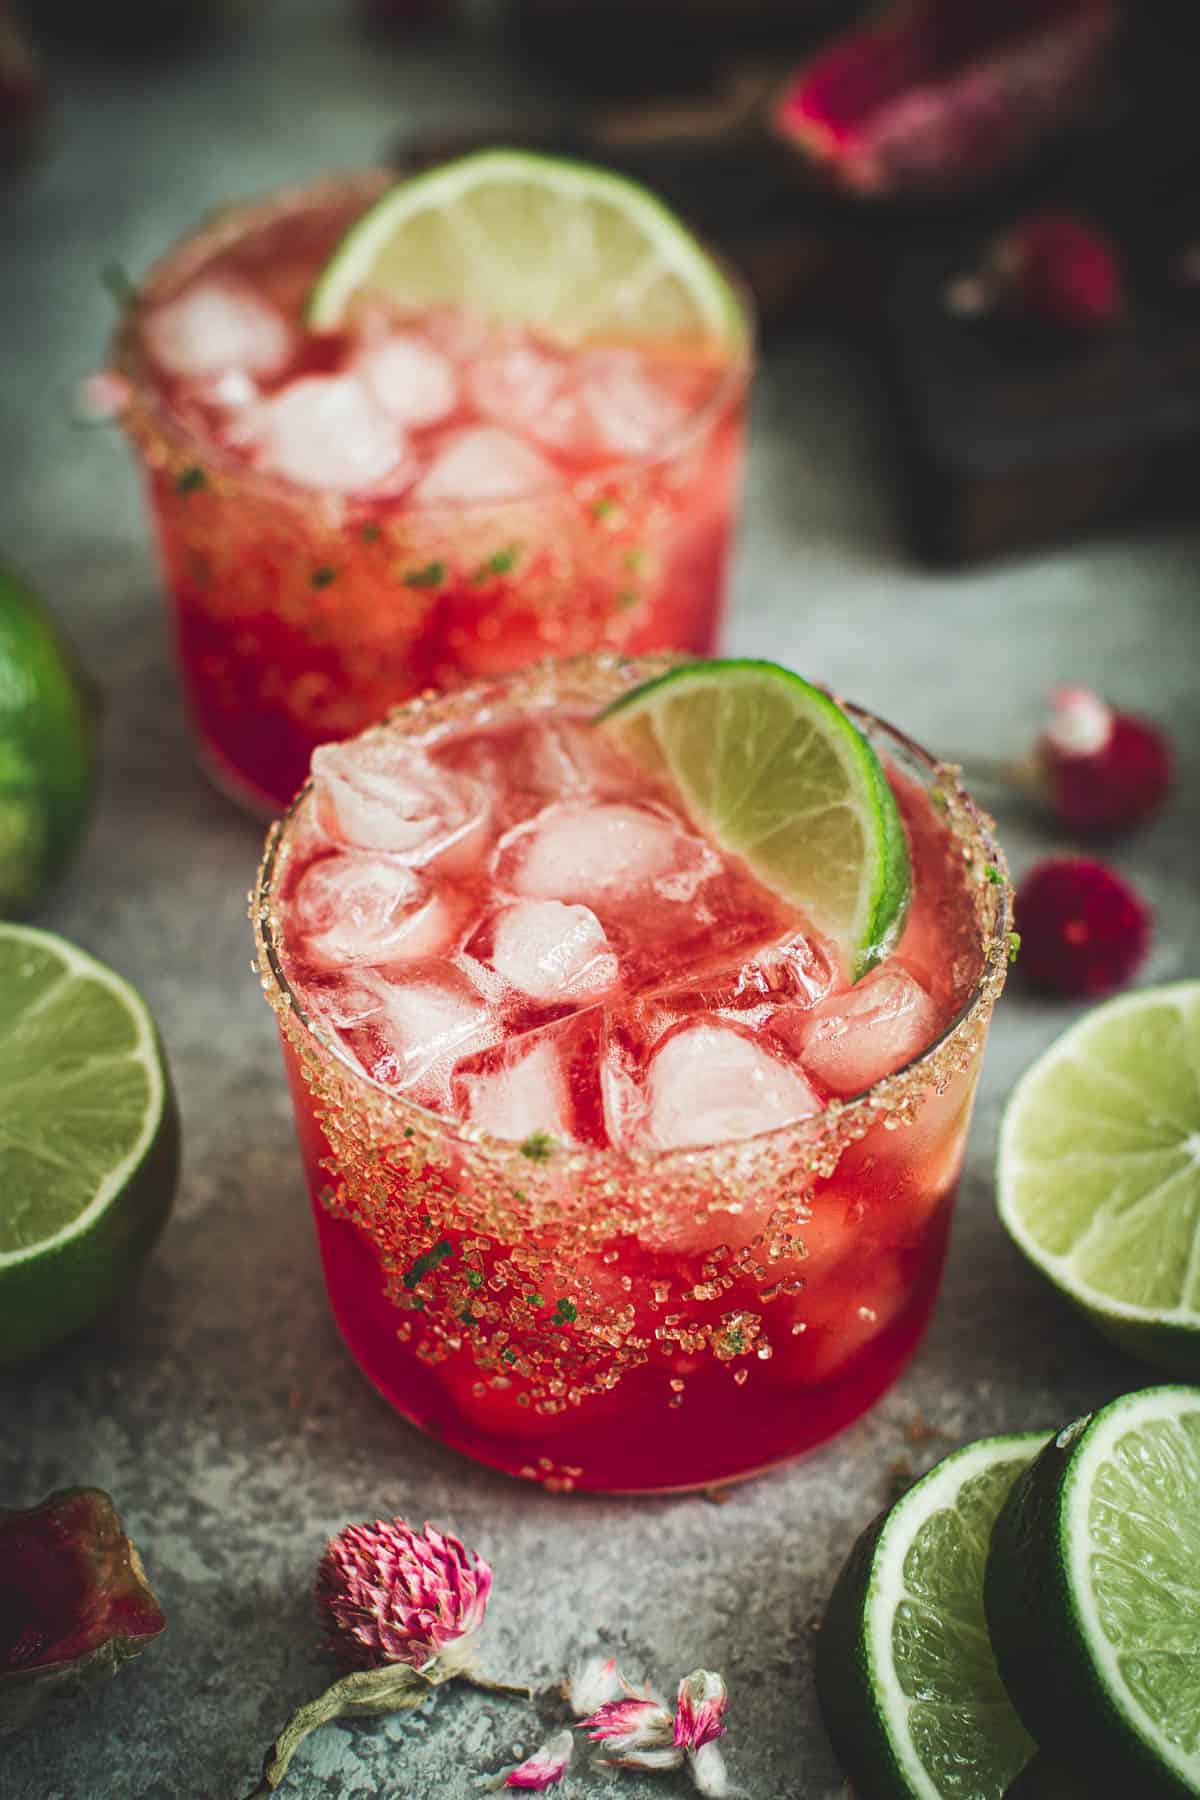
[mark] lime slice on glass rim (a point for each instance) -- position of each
(1093, 1599)
(1098, 1179)
(907, 1683)
(89, 1138)
(574, 250)
(773, 770)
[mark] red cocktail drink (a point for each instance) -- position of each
(349, 516)
(619, 1184)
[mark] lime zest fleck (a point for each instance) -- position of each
(539, 1146)
(370, 532)
(1014, 946)
(501, 562)
(432, 575)
(191, 479)
(323, 576)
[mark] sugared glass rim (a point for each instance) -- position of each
(146, 412)
(538, 687)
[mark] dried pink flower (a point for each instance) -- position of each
(545, 1767)
(392, 1594)
(701, 1701)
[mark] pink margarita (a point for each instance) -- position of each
(618, 1183)
(347, 517)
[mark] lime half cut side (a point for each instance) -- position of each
(89, 1138)
(1098, 1180)
(773, 770)
(906, 1680)
(1092, 1596)
(573, 250)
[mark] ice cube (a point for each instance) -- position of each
(409, 379)
(380, 793)
(482, 462)
(357, 908)
(515, 382)
(631, 414)
(215, 326)
(856, 1037)
(579, 851)
(326, 431)
(709, 1082)
(519, 1095)
(424, 1022)
(552, 952)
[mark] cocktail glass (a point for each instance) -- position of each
(658, 1319)
(302, 613)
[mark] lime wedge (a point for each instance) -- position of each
(574, 250)
(46, 749)
(89, 1138)
(906, 1680)
(1098, 1180)
(773, 770)
(1093, 1601)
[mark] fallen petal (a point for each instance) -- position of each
(709, 1772)
(592, 1682)
(545, 1767)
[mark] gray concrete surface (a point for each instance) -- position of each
(221, 1410)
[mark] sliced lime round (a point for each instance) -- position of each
(46, 748)
(89, 1138)
(1092, 1600)
(574, 250)
(906, 1681)
(772, 769)
(1098, 1179)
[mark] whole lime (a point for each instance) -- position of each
(47, 749)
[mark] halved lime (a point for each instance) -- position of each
(89, 1138)
(46, 749)
(773, 770)
(906, 1680)
(1092, 1595)
(574, 250)
(1098, 1179)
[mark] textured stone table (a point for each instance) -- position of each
(221, 1411)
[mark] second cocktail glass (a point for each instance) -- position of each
(348, 517)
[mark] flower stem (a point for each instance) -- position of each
(392, 1688)
(517, 1690)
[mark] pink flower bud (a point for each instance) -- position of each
(391, 1594)
(702, 1699)
(632, 1730)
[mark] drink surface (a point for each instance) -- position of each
(346, 518)
(520, 930)
(434, 407)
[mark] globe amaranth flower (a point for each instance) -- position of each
(392, 1594)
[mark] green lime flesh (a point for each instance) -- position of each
(572, 250)
(906, 1680)
(773, 770)
(46, 749)
(1098, 1179)
(1092, 1596)
(89, 1138)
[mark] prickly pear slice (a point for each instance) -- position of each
(74, 1600)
